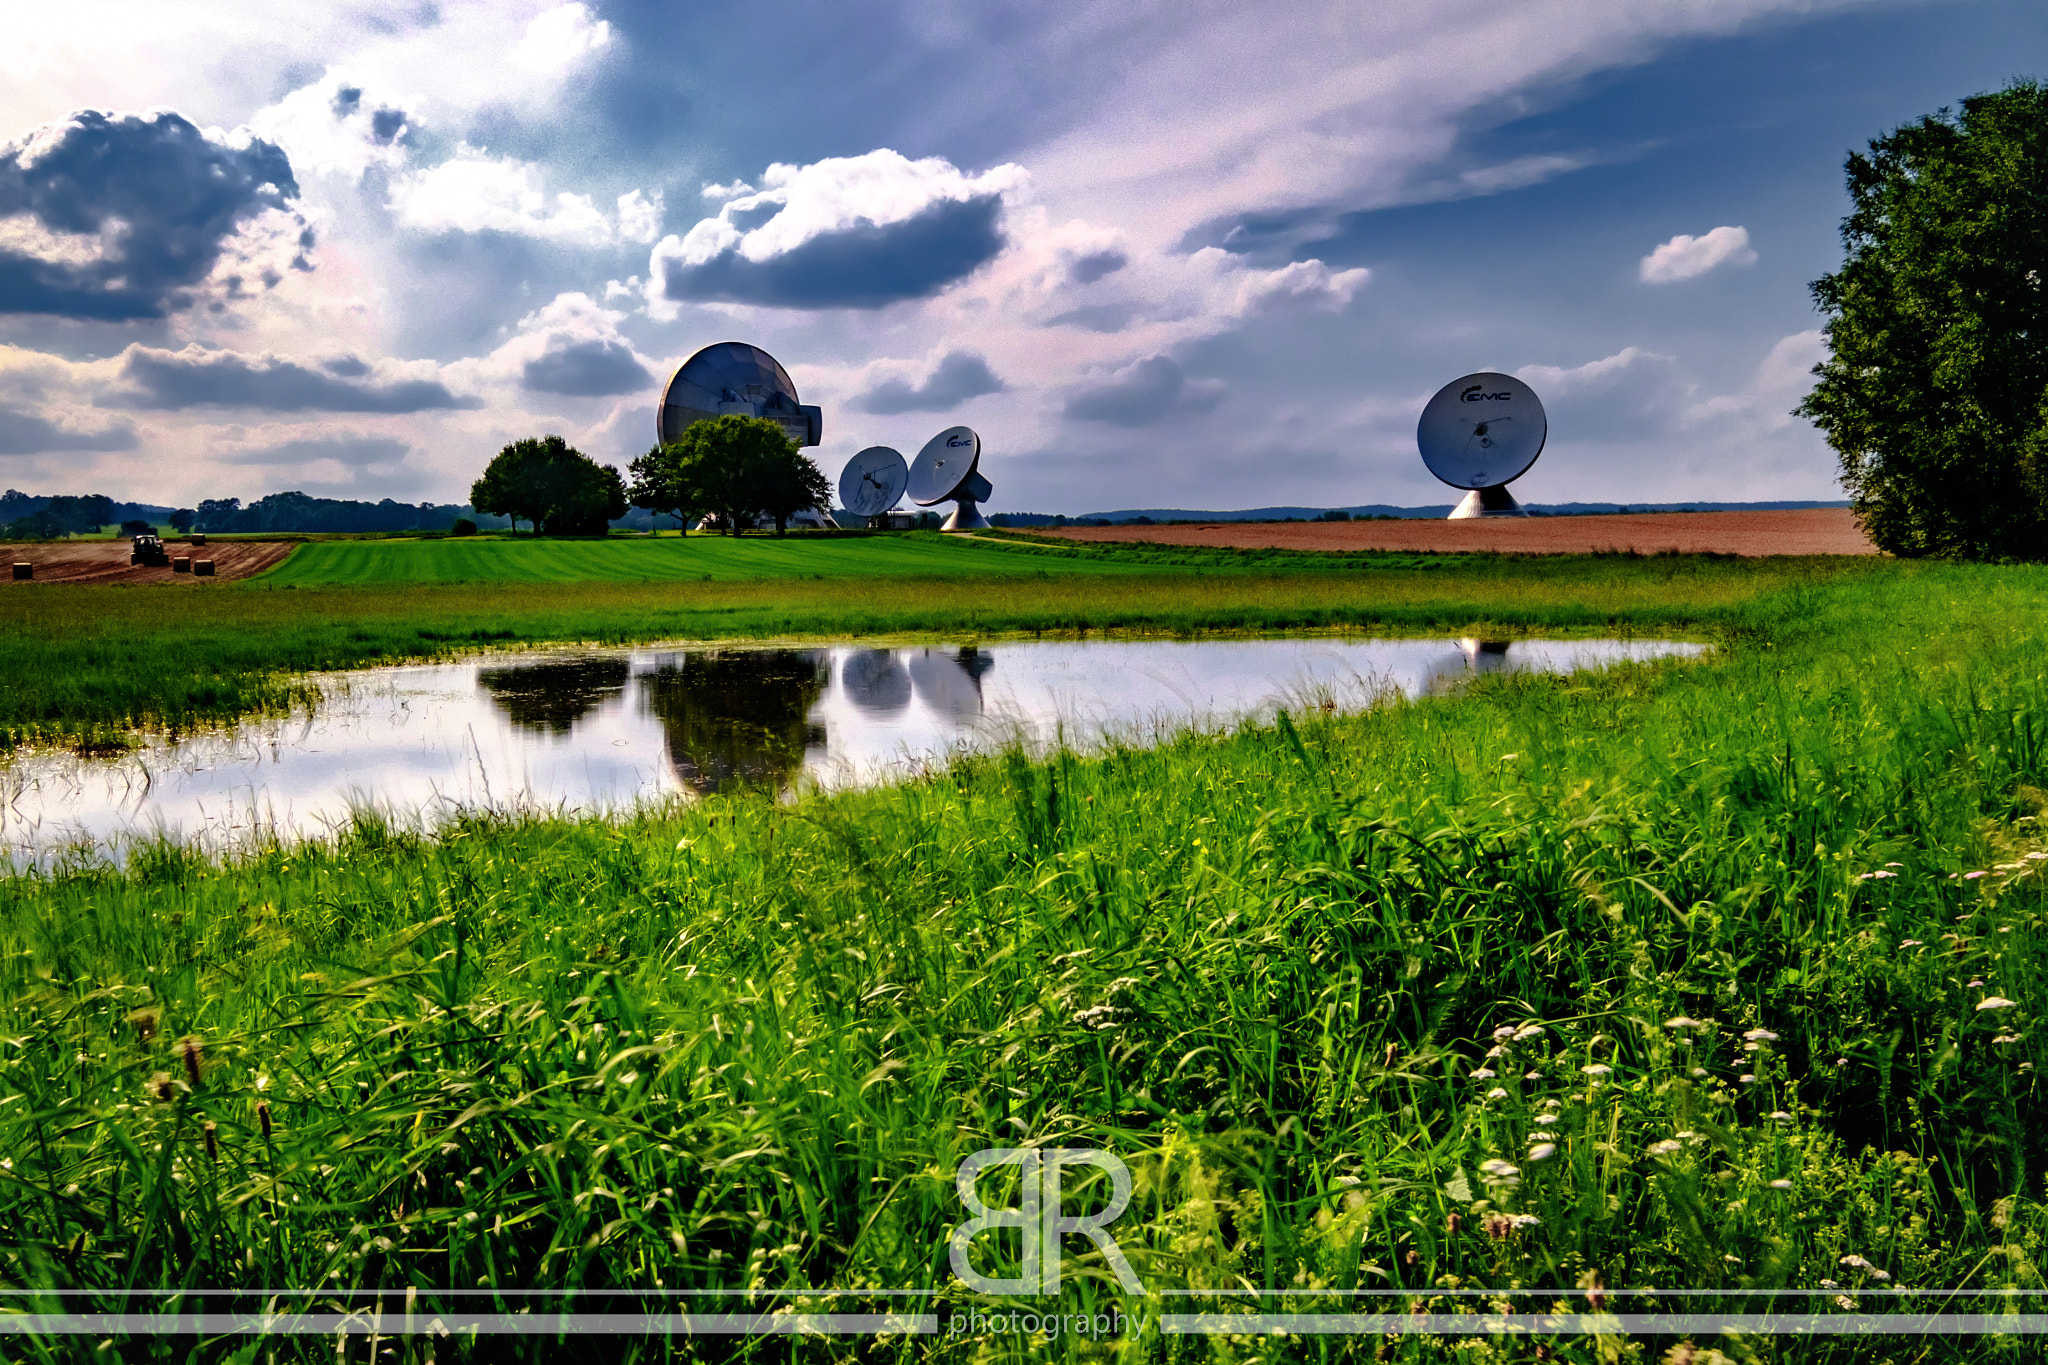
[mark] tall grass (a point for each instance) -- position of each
(82, 663)
(1595, 981)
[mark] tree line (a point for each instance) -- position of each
(737, 469)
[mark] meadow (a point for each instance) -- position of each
(1665, 989)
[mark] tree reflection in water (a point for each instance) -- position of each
(549, 698)
(737, 717)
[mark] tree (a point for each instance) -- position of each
(181, 520)
(790, 483)
(552, 485)
(744, 467)
(1935, 394)
(665, 483)
(218, 514)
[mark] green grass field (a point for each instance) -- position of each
(1717, 978)
(668, 559)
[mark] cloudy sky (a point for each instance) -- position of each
(1203, 255)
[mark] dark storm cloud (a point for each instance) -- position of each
(1147, 392)
(1092, 267)
(869, 265)
(346, 448)
(161, 199)
(192, 378)
(959, 377)
(23, 433)
(586, 369)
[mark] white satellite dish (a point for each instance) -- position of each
(947, 470)
(1481, 433)
(872, 481)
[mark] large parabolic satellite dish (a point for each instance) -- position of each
(872, 481)
(1480, 433)
(733, 377)
(948, 470)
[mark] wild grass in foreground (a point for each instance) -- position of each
(81, 664)
(1722, 977)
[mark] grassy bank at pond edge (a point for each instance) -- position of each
(81, 664)
(1675, 975)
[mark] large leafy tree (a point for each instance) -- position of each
(665, 482)
(1936, 391)
(745, 467)
(552, 485)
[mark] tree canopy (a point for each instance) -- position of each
(550, 484)
(737, 467)
(1935, 394)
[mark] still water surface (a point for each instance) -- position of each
(604, 731)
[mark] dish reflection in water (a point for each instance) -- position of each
(875, 682)
(601, 731)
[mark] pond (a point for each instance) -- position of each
(601, 731)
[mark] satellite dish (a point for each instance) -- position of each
(872, 481)
(1481, 433)
(947, 470)
(733, 377)
(950, 686)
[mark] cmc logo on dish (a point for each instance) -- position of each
(956, 442)
(1478, 394)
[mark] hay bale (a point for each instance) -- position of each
(22, 571)
(198, 537)
(203, 567)
(182, 564)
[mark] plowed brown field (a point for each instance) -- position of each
(1807, 531)
(103, 561)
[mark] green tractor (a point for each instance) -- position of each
(149, 549)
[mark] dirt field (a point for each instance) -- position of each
(106, 561)
(1815, 531)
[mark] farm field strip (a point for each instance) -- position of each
(676, 559)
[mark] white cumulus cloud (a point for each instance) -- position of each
(1685, 257)
(560, 38)
(474, 191)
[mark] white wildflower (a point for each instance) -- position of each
(1761, 1035)
(1497, 1093)
(1781, 1184)
(1484, 1073)
(1596, 1069)
(1543, 1151)
(1681, 1021)
(1996, 1002)
(1666, 1147)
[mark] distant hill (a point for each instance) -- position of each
(1375, 509)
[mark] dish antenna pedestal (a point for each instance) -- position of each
(948, 470)
(1487, 502)
(1481, 433)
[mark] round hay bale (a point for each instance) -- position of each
(182, 564)
(22, 571)
(203, 567)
